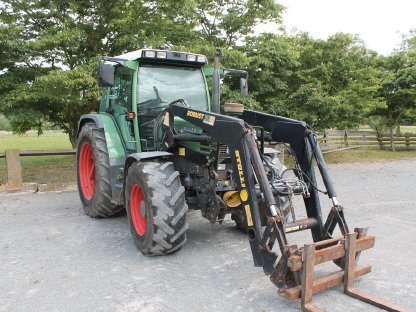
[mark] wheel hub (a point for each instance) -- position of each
(86, 170)
(138, 210)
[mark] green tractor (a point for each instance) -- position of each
(159, 146)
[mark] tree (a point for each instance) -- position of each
(327, 83)
(273, 62)
(225, 23)
(397, 91)
(49, 50)
(409, 41)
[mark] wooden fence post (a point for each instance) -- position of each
(365, 141)
(14, 170)
(407, 140)
(325, 140)
(346, 139)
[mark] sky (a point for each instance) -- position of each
(380, 24)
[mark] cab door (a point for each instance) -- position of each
(120, 103)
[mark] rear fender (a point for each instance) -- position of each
(115, 148)
(95, 118)
(102, 121)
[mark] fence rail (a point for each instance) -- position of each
(335, 139)
(14, 167)
(332, 140)
(43, 152)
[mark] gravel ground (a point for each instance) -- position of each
(54, 258)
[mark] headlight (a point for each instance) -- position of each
(149, 53)
(202, 59)
(161, 54)
(191, 57)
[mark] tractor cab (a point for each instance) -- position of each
(139, 85)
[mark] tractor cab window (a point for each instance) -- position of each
(120, 102)
(120, 94)
(158, 86)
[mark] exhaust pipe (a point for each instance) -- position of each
(216, 80)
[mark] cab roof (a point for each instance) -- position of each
(156, 55)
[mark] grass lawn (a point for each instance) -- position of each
(366, 155)
(403, 129)
(44, 169)
(40, 169)
(411, 129)
(47, 141)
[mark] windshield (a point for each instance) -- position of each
(159, 86)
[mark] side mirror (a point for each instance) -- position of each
(105, 75)
(243, 87)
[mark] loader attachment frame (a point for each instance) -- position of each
(241, 140)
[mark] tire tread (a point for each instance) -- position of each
(167, 203)
(100, 206)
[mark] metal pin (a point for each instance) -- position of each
(273, 210)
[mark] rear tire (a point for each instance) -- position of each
(93, 173)
(156, 207)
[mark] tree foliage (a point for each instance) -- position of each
(397, 91)
(49, 51)
(326, 83)
(49, 48)
(223, 23)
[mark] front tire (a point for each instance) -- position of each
(93, 173)
(156, 207)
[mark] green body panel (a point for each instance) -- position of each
(104, 101)
(206, 88)
(131, 64)
(195, 146)
(209, 71)
(114, 143)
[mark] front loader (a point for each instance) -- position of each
(160, 146)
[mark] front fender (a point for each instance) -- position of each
(132, 158)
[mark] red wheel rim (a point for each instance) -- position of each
(86, 170)
(136, 201)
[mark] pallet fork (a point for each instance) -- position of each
(347, 248)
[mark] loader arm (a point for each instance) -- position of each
(304, 143)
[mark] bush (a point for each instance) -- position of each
(4, 124)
